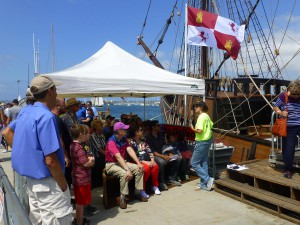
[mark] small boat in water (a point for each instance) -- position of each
(97, 101)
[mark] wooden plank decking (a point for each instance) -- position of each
(264, 187)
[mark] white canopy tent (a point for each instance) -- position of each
(112, 72)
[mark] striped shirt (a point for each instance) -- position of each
(81, 175)
(293, 106)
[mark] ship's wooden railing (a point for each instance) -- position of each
(212, 86)
(268, 83)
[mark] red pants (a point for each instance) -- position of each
(153, 171)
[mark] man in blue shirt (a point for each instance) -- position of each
(36, 139)
(81, 113)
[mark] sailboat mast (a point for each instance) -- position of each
(36, 59)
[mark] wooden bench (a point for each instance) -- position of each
(111, 189)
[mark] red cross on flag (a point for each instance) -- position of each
(211, 30)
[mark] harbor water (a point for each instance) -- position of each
(152, 112)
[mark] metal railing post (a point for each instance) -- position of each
(13, 209)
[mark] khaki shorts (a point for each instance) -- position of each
(48, 203)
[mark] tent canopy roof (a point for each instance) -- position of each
(112, 72)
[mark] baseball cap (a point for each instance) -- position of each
(199, 104)
(120, 126)
(42, 83)
(110, 117)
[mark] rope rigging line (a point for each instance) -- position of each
(252, 115)
(248, 106)
(270, 25)
(145, 20)
(288, 23)
(176, 35)
(232, 130)
(169, 20)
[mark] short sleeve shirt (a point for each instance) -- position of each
(205, 124)
(156, 143)
(81, 175)
(293, 106)
(114, 146)
(35, 136)
(140, 149)
(69, 120)
(13, 112)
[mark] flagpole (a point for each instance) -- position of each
(185, 64)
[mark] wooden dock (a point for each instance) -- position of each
(264, 187)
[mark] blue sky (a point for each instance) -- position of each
(81, 28)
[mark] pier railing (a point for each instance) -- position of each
(11, 209)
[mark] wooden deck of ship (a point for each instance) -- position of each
(265, 188)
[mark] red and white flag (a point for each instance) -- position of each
(207, 29)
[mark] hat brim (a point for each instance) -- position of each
(125, 127)
(72, 103)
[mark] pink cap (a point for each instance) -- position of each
(120, 126)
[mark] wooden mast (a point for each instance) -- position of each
(204, 50)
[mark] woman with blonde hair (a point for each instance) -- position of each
(293, 123)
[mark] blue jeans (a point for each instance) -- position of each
(200, 160)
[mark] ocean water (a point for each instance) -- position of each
(151, 112)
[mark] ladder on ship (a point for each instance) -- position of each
(233, 115)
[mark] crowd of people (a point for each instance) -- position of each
(8, 112)
(68, 146)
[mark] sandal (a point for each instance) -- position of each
(288, 174)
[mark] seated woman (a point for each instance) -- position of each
(145, 155)
(97, 146)
(186, 154)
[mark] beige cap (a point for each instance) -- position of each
(71, 101)
(42, 83)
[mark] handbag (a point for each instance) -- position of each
(279, 128)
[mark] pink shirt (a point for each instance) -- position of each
(113, 147)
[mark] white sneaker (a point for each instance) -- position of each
(4, 151)
(210, 183)
(156, 190)
(144, 194)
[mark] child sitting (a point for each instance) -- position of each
(171, 150)
(186, 154)
(81, 172)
